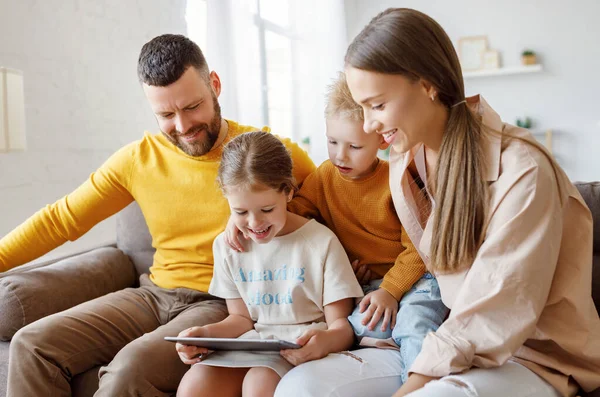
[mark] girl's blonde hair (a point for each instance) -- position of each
(409, 43)
(255, 161)
(339, 101)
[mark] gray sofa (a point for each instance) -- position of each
(31, 292)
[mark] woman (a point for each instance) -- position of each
(495, 219)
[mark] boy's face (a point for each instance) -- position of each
(351, 150)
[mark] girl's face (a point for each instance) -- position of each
(260, 213)
(397, 108)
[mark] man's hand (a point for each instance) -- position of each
(362, 272)
(379, 303)
(191, 354)
(233, 236)
(314, 346)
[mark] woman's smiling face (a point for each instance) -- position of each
(394, 106)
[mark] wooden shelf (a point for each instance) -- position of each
(504, 71)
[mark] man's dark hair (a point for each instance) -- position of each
(164, 59)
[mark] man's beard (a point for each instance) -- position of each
(199, 148)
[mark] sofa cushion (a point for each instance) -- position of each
(30, 294)
(4, 349)
(133, 237)
(596, 282)
(590, 191)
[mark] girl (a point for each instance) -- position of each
(294, 281)
(497, 221)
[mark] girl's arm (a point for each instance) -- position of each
(237, 323)
(318, 343)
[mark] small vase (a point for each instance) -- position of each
(528, 59)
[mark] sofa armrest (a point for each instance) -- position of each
(31, 293)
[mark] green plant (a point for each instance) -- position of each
(525, 123)
(527, 53)
(306, 140)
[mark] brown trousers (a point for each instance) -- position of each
(122, 331)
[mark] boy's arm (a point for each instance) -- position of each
(407, 269)
(102, 195)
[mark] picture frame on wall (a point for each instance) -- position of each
(470, 52)
(491, 59)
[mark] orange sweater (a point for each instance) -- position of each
(361, 213)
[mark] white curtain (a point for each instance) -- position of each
(319, 45)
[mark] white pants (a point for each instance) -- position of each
(378, 374)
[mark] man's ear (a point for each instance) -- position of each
(383, 144)
(215, 83)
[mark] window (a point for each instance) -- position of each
(275, 59)
(196, 15)
(275, 50)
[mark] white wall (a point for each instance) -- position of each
(83, 100)
(565, 97)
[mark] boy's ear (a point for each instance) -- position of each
(383, 144)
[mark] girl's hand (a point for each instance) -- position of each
(380, 303)
(233, 235)
(314, 346)
(191, 354)
(362, 272)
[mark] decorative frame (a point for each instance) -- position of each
(490, 59)
(470, 52)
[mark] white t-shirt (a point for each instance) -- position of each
(286, 282)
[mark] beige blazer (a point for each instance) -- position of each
(527, 295)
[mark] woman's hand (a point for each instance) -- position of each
(191, 354)
(379, 303)
(414, 382)
(314, 344)
(233, 236)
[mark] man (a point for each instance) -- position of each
(172, 177)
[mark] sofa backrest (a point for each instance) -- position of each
(590, 191)
(134, 239)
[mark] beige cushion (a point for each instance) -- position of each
(28, 295)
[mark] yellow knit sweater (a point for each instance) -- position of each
(361, 213)
(181, 202)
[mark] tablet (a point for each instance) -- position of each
(236, 344)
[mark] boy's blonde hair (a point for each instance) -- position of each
(339, 101)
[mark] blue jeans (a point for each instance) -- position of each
(420, 311)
